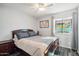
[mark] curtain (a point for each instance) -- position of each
(75, 30)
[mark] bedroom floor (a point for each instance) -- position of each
(62, 52)
(67, 52)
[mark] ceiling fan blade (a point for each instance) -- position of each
(49, 5)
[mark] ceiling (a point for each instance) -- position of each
(57, 7)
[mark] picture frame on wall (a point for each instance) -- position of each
(44, 24)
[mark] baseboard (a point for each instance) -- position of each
(65, 47)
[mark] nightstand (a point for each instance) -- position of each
(6, 47)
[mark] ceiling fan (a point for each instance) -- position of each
(42, 6)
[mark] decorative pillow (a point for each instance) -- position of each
(15, 38)
(32, 33)
(22, 34)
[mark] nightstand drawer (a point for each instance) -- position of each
(7, 48)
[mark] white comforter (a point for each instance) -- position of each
(34, 46)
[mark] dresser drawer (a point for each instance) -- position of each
(6, 48)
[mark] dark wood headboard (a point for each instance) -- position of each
(19, 30)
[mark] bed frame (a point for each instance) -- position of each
(52, 46)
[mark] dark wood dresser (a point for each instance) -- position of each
(6, 47)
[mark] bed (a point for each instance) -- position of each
(32, 44)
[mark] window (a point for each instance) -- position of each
(63, 25)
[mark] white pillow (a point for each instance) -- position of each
(15, 38)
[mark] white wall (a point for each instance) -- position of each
(64, 14)
(12, 19)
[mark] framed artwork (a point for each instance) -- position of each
(44, 24)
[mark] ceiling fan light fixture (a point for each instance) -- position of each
(42, 9)
(41, 6)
